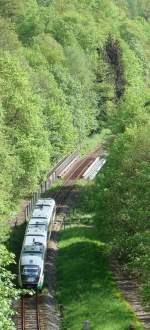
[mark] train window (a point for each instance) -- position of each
(36, 225)
(41, 205)
(30, 272)
(36, 248)
(37, 235)
(40, 217)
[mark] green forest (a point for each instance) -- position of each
(68, 70)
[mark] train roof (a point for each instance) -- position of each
(45, 202)
(34, 240)
(31, 259)
(43, 208)
(36, 230)
(45, 212)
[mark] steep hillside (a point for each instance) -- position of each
(69, 69)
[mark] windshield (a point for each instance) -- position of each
(30, 273)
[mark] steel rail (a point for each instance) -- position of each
(64, 185)
(23, 314)
(37, 311)
(68, 179)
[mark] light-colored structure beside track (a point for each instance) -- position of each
(94, 168)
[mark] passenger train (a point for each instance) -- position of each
(33, 253)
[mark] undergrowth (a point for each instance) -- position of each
(86, 287)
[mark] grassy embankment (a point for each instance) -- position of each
(86, 286)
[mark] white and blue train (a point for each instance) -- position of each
(33, 253)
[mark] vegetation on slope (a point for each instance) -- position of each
(68, 69)
(86, 287)
(122, 202)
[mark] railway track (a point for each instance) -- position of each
(31, 313)
(28, 313)
(28, 309)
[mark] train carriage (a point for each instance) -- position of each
(32, 257)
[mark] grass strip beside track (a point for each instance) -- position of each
(86, 287)
(90, 143)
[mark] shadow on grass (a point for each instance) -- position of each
(86, 286)
(79, 232)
